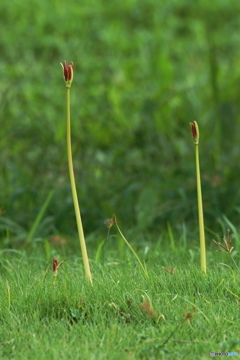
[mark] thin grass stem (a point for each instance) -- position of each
(143, 266)
(8, 295)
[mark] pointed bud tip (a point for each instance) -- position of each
(67, 73)
(195, 131)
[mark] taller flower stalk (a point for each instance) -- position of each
(195, 134)
(68, 78)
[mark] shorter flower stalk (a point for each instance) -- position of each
(195, 134)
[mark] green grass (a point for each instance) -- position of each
(143, 70)
(123, 316)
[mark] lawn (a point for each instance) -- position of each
(176, 312)
(143, 70)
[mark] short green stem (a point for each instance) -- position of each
(74, 194)
(200, 213)
(142, 265)
(234, 261)
(8, 295)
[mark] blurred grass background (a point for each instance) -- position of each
(144, 69)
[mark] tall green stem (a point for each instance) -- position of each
(74, 193)
(200, 213)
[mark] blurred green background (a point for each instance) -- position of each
(143, 70)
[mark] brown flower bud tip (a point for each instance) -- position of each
(67, 72)
(195, 131)
(55, 264)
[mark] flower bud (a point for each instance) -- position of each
(67, 73)
(55, 264)
(195, 131)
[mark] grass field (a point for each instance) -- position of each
(143, 70)
(124, 315)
